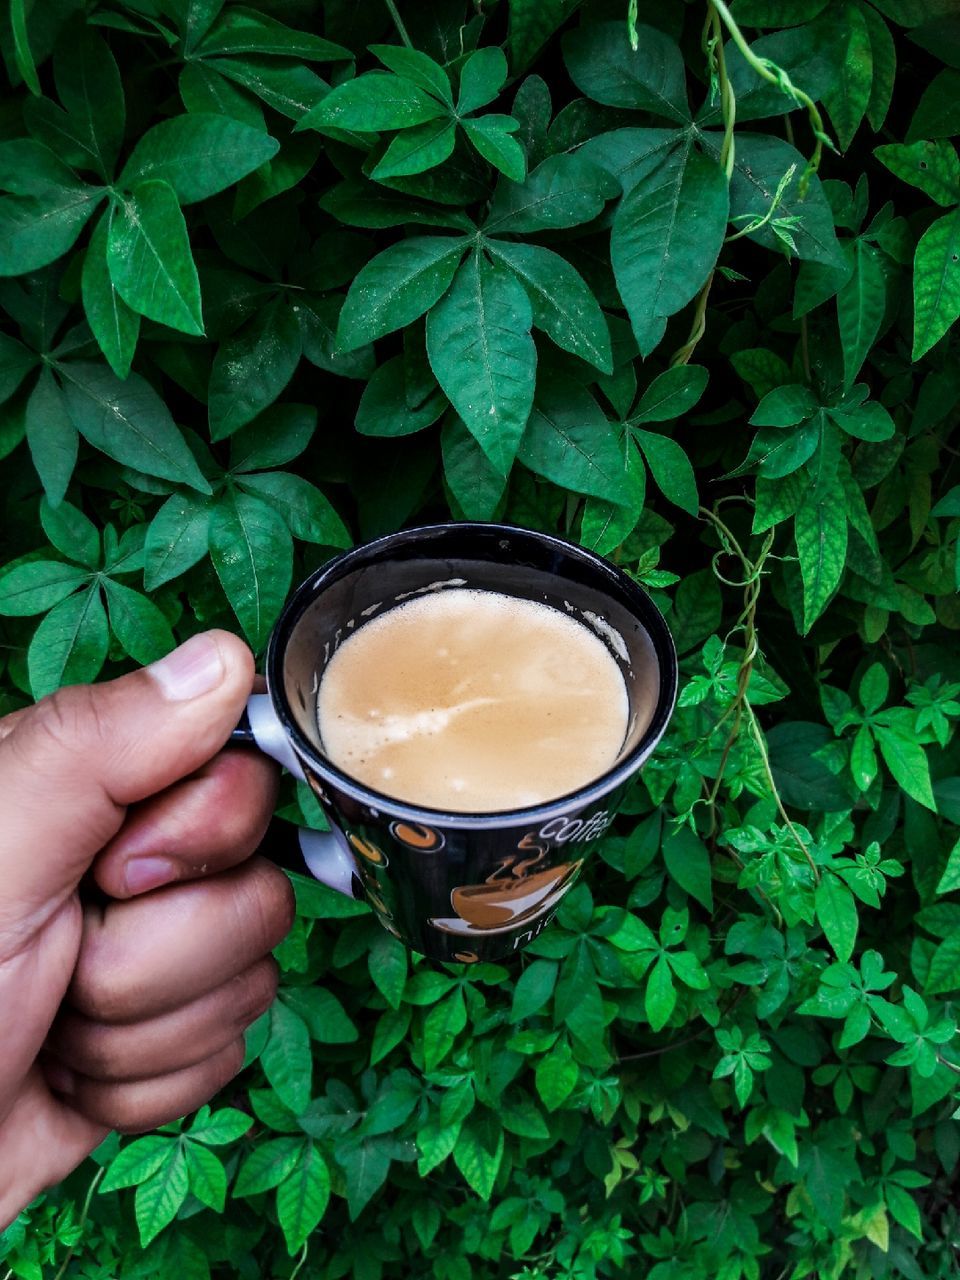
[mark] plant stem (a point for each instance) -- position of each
(404, 36)
(632, 25)
(740, 708)
(80, 1225)
(698, 326)
(776, 75)
(300, 1262)
(728, 99)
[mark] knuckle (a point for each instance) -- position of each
(66, 720)
(102, 993)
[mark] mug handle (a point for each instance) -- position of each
(321, 853)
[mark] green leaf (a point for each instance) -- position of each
(602, 65)
(70, 644)
(785, 406)
(860, 309)
(474, 481)
(569, 440)
(204, 90)
(177, 538)
(136, 1162)
(387, 964)
(252, 367)
(533, 989)
(397, 287)
(884, 54)
(837, 914)
(849, 97)
(563, 191)
(286, 1059)
(938, 111)
(666, 236)
(128, 422)
(532, 22)
(384, 409)
(22, 55)
(874, 688)
(149, 258)
(307, 512)
(671, 394)
(820, 528)
(936, 282)
(115, 326)
(71, 532)
(863, 758)
(866, 421)
(417, 67)
(490, 135)
(51, 435)
(482, 354)
(16, 361)
(241, 30)
(88, 83)
(482, 76)
(556, 1076)
(563, 303)
(208, 1178)
(944, 972)
(198, 154)
(37, 586)
(158, 1199)
(138, 624)
(267, 1165)
(374, 101)
(302, 1197)
(288, 87)
(38, 228)
(688, 863)
(671, 468)
(441, 1027)
(950, 879)
(479, 1153)
(418, 149)
(366, 1167)
(323, 1014)
(252, 552)
(219, 1128)
(907, 761)
(931, 166)
(903, 1208)
(660, 997)
(276, 436)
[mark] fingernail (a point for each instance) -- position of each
(193, 669)
(144, 874)
(60, 1078)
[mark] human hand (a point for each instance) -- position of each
(131, 1014)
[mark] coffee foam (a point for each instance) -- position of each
(473, 701)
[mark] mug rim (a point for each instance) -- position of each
(560, 806)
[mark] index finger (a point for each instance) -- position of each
(211, 821)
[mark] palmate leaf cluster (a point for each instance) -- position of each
(679, 281)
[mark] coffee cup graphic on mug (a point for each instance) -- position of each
(455, 886)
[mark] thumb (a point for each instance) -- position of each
(72, 763)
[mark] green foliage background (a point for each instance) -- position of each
(680, 283)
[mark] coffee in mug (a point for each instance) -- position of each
(473, 701)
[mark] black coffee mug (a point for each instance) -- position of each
(455, 886)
